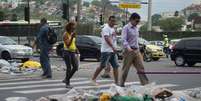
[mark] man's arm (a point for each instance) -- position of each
(109, 42)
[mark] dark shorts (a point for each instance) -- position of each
(109, 57)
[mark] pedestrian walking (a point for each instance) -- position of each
(166, 48)
(69, 53)
(45, 47)
(108, 50)
(132, 55)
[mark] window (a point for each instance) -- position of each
(192, 44)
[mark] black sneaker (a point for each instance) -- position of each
(69, 86)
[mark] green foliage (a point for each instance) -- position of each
(14, 17)
(2, 15)
(192, 16)
(155, 19)
(144, 27)
(171, 24)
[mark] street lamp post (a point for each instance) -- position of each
(149, 16)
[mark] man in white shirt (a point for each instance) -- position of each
(108, 50)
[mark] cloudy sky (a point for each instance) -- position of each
(162, 6)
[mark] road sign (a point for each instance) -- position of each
(130, 5)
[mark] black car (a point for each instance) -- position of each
(187, 51)
(89, 47)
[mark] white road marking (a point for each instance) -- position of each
(52, 85)
(40, 81)
(62, 89)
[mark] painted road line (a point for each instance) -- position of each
(62, 89)
(52, 85)
(40, 81)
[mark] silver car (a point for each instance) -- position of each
(9, 49)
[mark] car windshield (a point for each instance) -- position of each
(143, 41)
(96, 39)
(7, 41)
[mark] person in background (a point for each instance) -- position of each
(43, 44)
(132, 55)
(166, 45)
(69, 53)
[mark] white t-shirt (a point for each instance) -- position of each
(108, 31)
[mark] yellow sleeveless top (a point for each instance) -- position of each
(72, 47)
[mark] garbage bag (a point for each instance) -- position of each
(125, 98)
(4, 63)
(5, 69)
(31, 64)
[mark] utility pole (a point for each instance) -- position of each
(149, 15)
(79, 7)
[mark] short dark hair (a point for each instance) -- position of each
(134, 16)
(43, 20)
(112, 17)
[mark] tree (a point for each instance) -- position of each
(144, 28)
(155, 19)
(192, 16)
(2, 15)
(86, 4)
(171, 24)
(14, 17)
(176, 14)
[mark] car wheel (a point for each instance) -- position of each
(5, 55)
(59, 49)
(179, 61)
(191, 64)
(155, 59)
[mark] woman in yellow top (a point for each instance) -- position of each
(69, 54)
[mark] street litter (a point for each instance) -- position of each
(4, 63)
(14, 68)
(149, 92)
(31, 64)
(194, 93)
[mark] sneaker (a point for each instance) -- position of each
(69, 86)
(94, 82)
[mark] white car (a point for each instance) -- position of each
(9, 49)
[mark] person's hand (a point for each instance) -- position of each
(73, 35)
(129, 49)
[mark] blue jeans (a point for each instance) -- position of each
(109, 57)
(45, 62)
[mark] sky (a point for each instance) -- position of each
(162, 6)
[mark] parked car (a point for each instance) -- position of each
(157, 43)
(155, 51)
(9, 49)
(187, 51)
(89, 47)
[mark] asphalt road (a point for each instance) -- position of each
(162, 72)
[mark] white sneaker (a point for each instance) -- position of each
(94, 83)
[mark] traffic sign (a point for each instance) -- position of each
(130, 5)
